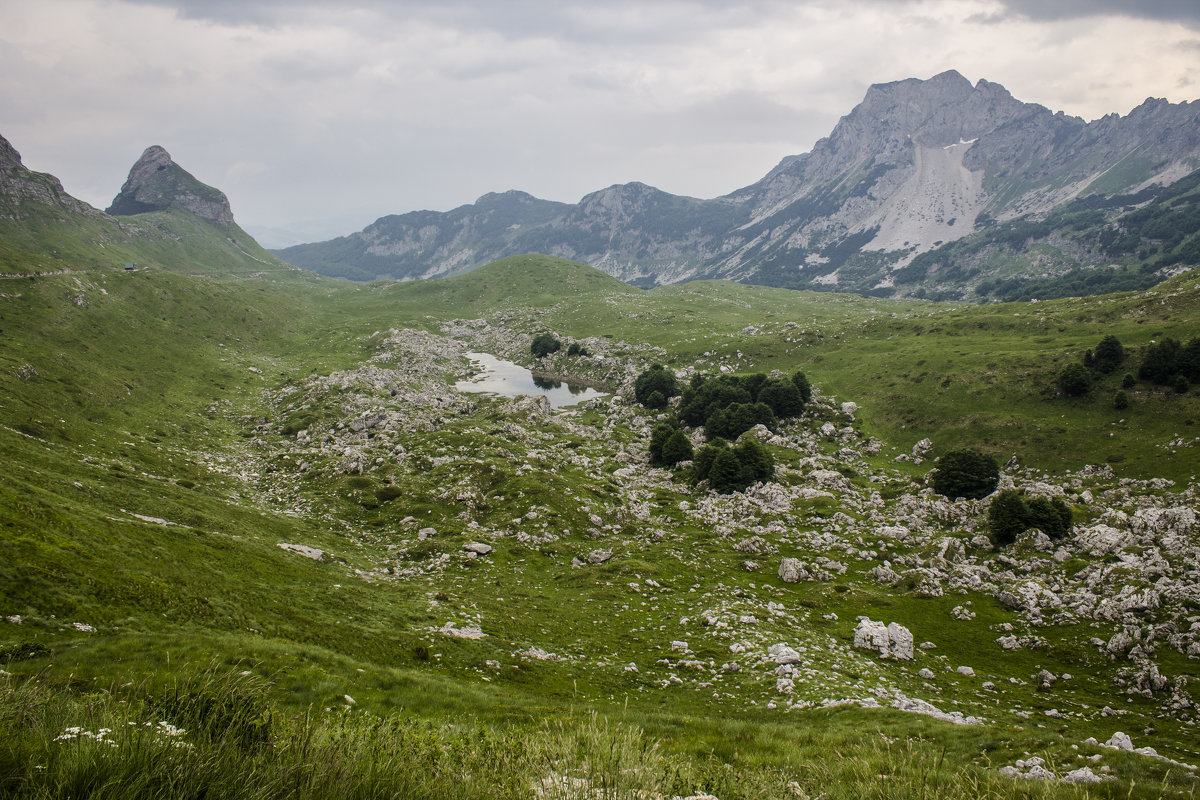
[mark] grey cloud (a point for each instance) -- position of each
(592, 20)
(1186, 12)
(627, 21)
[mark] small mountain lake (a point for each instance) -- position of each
(512, 380)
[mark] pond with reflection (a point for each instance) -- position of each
(512, 380)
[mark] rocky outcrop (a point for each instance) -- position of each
(19, 184)
(156, 183)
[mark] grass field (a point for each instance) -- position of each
(164, 436)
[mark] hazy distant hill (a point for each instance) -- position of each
(915, 166)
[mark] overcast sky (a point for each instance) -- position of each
(321, 116)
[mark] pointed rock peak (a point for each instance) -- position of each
(157, 183)
(9, 157)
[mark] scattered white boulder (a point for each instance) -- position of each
(782, 654)
(303, 550)
(891, 641)
(599, 556)
(791, 570)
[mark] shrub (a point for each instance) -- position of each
(1012, 514)
(801, 383)
(1074, 380)
(544, 344)
(1160, 362)
(783, 397)
(659, 435)
(1180, 384)
(1051, 516)
(1108, 355)
(1006, 516)
(704, 457)
(678, 447)
(732, 469)
(1189, 359)
(1120, 400)
(966, 473)
(654, 387)
(709, 395)
(1128, 381)
(725, 475)
(756, 459)
(732, 422)
(575, 349)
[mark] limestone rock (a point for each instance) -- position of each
(890, 641)
(791, 570)
(156, 183)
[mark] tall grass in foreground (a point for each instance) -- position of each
(213, 734)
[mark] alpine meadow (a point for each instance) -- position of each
(885, 485)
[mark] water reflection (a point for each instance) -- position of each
(512, 380)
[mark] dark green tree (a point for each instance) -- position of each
(726, 475)
(783, 397)
(1120, 400)
(709, 395)
(756, 459)
(659, 435)
(1128, 381)
(1160, 362)
(544, 344)
(1108, 355)
(732, 422)
(966, 473)
(804, 386)
(1007, 516)
(702, 461)
(677, 448)
(655, 386)
(1074, 380)
(753, 383)
(1052, 516)
(1188, 361)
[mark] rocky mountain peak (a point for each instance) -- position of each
(18, 184)
(157, 183)
(9, 157)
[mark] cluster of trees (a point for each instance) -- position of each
(971, 474)
(726, 406)
(1166, 363)
(1012, 513)
(732, 469)
(729, 405)
(1169, 363)
(546, 343)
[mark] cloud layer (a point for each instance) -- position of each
(333, 114)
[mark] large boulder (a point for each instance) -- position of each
(792, 570)
(890, 641)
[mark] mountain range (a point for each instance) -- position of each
(917, 166)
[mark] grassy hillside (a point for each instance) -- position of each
(178, 448)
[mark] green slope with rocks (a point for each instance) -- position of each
(245, 492)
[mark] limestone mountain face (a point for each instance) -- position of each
(20, 185)
(916, 166)
(157, 183)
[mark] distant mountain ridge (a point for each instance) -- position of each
(916, 165)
